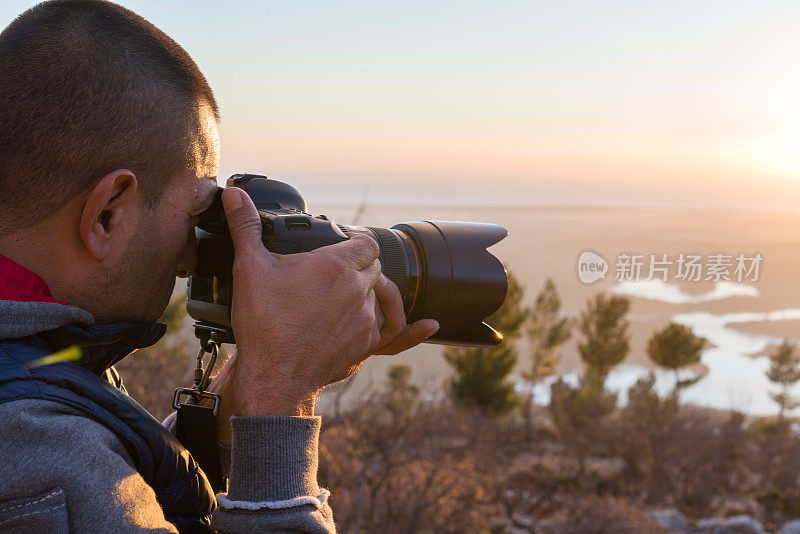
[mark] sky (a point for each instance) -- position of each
(613, 103)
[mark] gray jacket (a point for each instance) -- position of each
(62, 471)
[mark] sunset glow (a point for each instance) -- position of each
(673, 103)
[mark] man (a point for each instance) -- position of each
(108, 152)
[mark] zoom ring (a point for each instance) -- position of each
(393, 258)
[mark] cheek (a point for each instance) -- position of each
(174, 239)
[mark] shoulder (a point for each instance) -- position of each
(32, 426)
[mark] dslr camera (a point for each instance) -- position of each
(442, 268)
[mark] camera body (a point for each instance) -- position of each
(442, 269)
(286, 229)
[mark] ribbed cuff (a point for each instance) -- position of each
(273, 458)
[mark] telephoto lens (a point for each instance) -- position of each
(442, 268)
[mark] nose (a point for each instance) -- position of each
(188, 259)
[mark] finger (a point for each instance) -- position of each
(373, 310)
(379, 317)
(225, 371)
(222, 382)
(414, 334)
(359, 251)
(391, 303)
(243, 221)
(371, 274)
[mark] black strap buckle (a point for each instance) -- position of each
(195, 426)
(193, 394)
(202, 376)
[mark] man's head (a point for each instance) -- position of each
(108, 150)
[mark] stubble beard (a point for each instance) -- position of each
(140, 288)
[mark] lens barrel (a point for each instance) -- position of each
(444, 272)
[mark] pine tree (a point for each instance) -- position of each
(649, 424)
(481, 374)
(401, 395)
(547, 330)
(578, 413)
(675, 347)
(605, 330)
(784, 371)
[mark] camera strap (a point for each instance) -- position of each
(195, 426)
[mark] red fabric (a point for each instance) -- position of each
(21, 285)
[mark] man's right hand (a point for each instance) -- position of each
(305, 320)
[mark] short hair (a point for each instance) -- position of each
(88, 87)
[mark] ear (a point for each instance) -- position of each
(110, 214)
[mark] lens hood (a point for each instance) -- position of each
(463, 282)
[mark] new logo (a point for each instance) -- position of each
(591, 267)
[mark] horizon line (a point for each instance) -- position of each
(561, 205)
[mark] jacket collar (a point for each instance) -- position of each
(19, 284)
(27, 307)
(103, 345)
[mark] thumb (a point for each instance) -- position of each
(243, 221)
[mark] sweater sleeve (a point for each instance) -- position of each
(272, 477)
